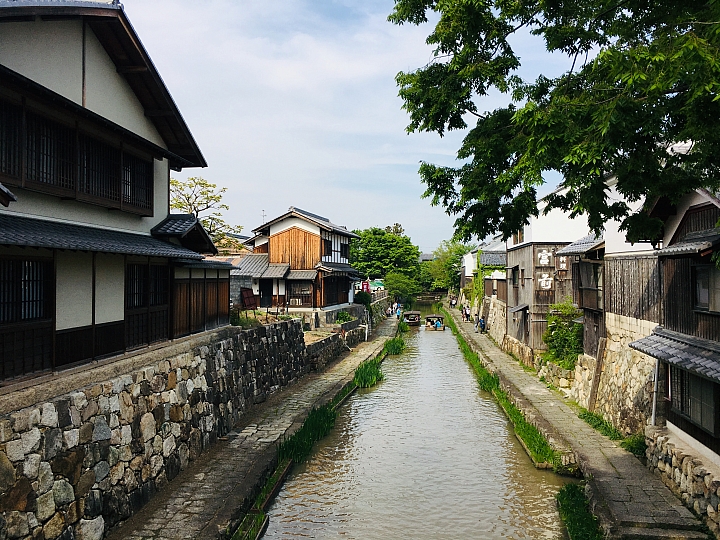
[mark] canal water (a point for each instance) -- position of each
(425, 454)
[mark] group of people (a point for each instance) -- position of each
(394, 309)
(478, 319)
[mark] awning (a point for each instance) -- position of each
(515, 309)
(276, 271)
(28, 232)
(186, 229)
(206, 264)
(296, 275)
(700, 356)
(693, 243)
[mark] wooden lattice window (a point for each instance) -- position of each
(694, 398)
(26, 289)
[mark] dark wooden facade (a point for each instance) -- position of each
(633, 287)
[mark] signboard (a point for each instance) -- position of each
(366, 286)
(544, 257)
(545, 281)
(562, 262)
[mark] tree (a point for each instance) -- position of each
(402, 287)
(378, 252)
(446, 264)
(203, 199)
(396, 229)
(645, 76)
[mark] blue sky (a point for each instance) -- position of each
(294, 103)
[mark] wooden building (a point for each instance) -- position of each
(300, 261)
(91, 262)
(687, 344)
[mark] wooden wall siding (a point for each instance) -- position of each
(502, 290)
(697, 219)
(593, 330)
(633, 288)
(261, 249)
(679, 299)
(295, 246)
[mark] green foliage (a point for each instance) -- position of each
(403, 327)
(318, 424)
(343, 317)
(635, 443)
(600, 424)
(378, 252)
(402, 287)
(395, 345)
(368, 373)
(644, 77)
(425, 278)
(201, 198)
(535, 442)
(445, 267)
(250, 526)
(563, 337)
(575, 513)
(363, 298)
(238, 318)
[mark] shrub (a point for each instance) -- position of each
(363, 298)
(563, 337)
(343, 316)
(636, 444)
(403, 326)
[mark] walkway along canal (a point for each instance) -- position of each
(425, 454)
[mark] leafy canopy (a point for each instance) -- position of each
(203, 199)
(645, 76)
(447, 262)
(379, 251)
(402, 287)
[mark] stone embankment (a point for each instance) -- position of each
(630, 500)
(83, 450)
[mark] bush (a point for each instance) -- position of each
(564, 337)
(363, 298)
(343, 317)
(636, 444)
(403, 326)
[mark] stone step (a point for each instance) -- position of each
(645, 533)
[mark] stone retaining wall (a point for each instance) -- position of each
(519, 350)
(583, 380)
(693, 479)
(555, 375)
(496, 318)
(74, 464)
(321, 352)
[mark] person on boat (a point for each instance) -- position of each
(428, 324)
(438, 324)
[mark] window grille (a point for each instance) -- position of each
(25, 290)
(693, 397)
(10, 120)
(50, 152)
(327, 247)
(135, 286)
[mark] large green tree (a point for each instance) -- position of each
(446, 264)
(645, 76)
(379, 251)
(402, 287)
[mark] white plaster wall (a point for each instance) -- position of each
(108, 93)
(673, 222)
(47, 52)
(73, 289)
(469, 260)
(261, 241)
(109, 288)
(41, 205)
(256, 286)
(293, 222)
(280, 286)
(557, 226)
(615, 238)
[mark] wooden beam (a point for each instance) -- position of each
(150, 113)
(132, 69)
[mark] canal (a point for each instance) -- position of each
(425, 454)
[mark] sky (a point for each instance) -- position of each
(294, 103)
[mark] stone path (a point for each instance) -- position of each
(208, 495)
(630, 501)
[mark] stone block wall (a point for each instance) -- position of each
(583, 379)
(555, 375)
(74, 464)
(519, 349)
(690, 476)
(496, 318)
(624, 395)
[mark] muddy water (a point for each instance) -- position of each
(425, 454)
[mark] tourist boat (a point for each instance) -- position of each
(432, 320)
(412, 318)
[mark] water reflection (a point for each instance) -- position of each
(423, 455)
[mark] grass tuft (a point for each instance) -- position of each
(395, 345)
(368, 373)
(599, 423)
(318, 424)
(575, 513)
(636, 444)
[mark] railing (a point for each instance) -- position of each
(378, 295)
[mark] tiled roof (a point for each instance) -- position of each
(23, 231)
(693, 243)
(6, 196)
(276, 271)
(175, 225)
(493, 258)
(302, 274)
(701, 356)
(336, 267)
(322, 222)
(585, 244)
(253, 265)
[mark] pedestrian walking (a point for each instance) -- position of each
(482, 325)
(398, 313)
(477, 322)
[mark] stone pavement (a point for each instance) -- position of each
(630, 501)
(212, 492)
